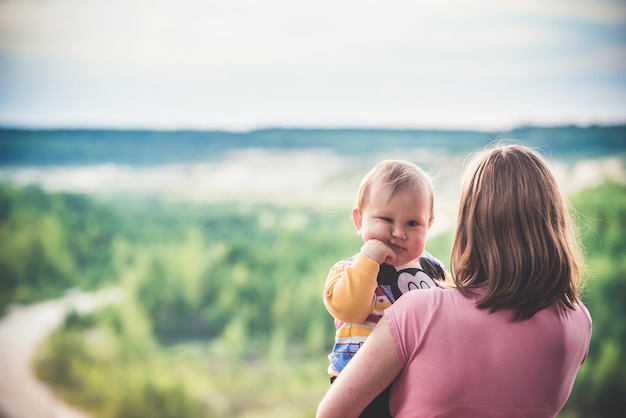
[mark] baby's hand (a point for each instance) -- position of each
(378, 251)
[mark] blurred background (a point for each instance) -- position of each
(176, 180)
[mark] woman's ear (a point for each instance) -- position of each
(357, 218)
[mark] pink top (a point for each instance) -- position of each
(461, 361)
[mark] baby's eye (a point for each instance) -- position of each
(386, 219)
(413, 224)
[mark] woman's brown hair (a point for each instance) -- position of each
(515, 236)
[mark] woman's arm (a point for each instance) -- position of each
(369, 372)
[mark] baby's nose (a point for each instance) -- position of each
(398, 232)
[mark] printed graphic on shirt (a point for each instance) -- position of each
(395, 283)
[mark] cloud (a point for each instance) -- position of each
(275, 62)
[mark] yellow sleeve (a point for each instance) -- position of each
(349, 289)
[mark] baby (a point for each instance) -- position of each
(393, 213)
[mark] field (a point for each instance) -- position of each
(221, 261)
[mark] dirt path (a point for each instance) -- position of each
(22, 330)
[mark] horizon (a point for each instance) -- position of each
(307, 128)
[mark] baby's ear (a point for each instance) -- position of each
(357, 218)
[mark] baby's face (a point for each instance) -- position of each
(400, 220)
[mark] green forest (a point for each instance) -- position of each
(222, 313)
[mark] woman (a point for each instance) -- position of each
(509, 335)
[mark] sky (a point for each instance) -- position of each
(248, 64)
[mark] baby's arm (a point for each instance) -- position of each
(349, 289)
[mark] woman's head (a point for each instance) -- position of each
(515, 236)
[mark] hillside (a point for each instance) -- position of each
(81, 147)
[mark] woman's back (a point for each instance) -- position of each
(516, 240)
(473, 363)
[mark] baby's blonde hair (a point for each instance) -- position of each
(395, 174)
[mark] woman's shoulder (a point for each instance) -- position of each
(427, 302)
(579, 313)
(581, 306)
(433, 296)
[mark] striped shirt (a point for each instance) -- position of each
(357, 292)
